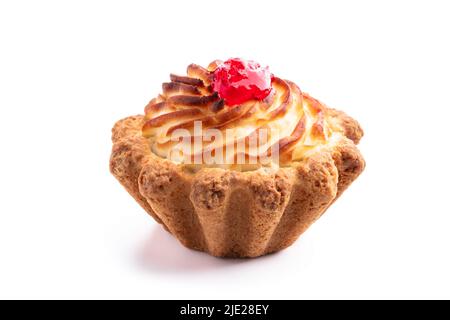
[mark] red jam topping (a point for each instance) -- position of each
(237, 81)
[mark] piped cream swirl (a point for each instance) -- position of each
(289, 119)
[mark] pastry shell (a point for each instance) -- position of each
(231, 213)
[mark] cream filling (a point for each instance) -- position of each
(181, 151)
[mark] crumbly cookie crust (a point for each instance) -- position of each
(231, 213)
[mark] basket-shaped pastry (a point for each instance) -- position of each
(257, 198)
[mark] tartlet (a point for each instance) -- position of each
(234, 209)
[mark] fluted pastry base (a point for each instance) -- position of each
(230, 213)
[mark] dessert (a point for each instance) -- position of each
(235, 161)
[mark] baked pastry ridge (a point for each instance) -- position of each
(236, 210)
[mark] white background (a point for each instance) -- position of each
(70, 69)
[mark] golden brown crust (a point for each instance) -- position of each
(167, 188)
(129, 154)
(315, 187)
(349, 163)
(231, 213)
(351, 127)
